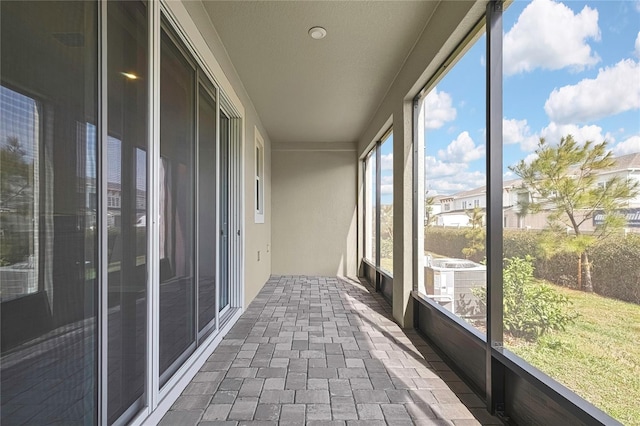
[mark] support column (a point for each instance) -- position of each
(403, 214)
(494, 370)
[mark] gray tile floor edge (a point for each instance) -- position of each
(324, 351)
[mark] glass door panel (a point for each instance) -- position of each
(224, 212)
(207, 233)
(126, 204)
(177, 282)
(48, 243)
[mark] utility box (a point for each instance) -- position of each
(450, 282)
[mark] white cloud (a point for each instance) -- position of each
(435, 168)
(628, 146)
(530, 143)
(462, 150)
(447, 178)
(638, 44)
(386, 184)
(518, 132)
(438, 109)
(549, 35)
(386, 161)
(554, 132)
(616, 89)
(514, 131)
(529, 158)
(461, 182)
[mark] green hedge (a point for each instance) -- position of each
(616, 268)
(615, 261)
(445, 241)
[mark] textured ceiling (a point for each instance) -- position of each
(325, 90)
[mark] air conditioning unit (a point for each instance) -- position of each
(450, 282)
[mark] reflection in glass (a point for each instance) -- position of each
(48, 205)
(126, 204)
(19, 156)
(177, 319)
(207, 234)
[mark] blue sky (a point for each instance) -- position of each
(386, 172)
(569, 67)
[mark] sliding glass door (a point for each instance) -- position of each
(207, 225)
(126, 204)
(224, 212)
(96, 292)
(177, 143)
(48, 210)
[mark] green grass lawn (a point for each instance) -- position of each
(598, 356)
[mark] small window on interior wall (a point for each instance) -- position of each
(259, 180)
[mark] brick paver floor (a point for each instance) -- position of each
(320, 350)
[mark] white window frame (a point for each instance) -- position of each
(259, 198)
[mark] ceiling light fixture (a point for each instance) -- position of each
(317, 33)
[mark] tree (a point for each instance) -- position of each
(562, 180)
(386, 231)
(429, 216)
(476, 235)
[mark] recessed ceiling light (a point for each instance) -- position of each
(129, 75)
(317, 33)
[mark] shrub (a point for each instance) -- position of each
(521, 244)
(616, 268)
(531, 309)
(476, 244)
(445, 241)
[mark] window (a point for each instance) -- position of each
(378, 204)
(585, 341)
(451, 122)
(370, 207)
(386, 203)
(259, 169)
